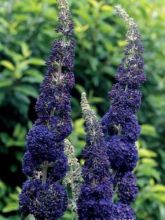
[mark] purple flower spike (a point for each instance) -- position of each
(120, 125)
(95, 199)
(44, 160)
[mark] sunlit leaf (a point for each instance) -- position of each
(7, 64)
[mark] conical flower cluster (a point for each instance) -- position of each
(44, 161)
(120, 124)
(95, 200)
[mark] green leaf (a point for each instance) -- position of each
(25, 50)
(27, 90)
(96, 100)
(146, 153)
(148, 130)
(12, 206)
(158, 188)
(149, 162)
(160, 197)
(36, 61)
(7, 64)
(5, 82)
(79, 88)
(106, 8)
(147, 171)
(17, 130)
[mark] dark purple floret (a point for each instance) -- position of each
(53, 101)
(125, 126)
(95, 209)
(43, 201)
(127, 188)
(130, 76)
(96, 165)
(97, 191)
(61, 55)
(59, 168)
(122, 155)
(115, 118)
(28, 195)
(29, 164)
(95, 201)
(62, 128)
(123, 212)
(131, 129)
(41, 143)
(125, 97)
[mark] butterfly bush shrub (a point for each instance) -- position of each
(105, 187)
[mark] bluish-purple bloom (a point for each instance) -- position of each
(44, 161)
(120, 125)
(95, 200)
(46, 201)
(122, 212)
(122, 154)
(127, 188)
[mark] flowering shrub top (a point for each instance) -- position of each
(110, 155)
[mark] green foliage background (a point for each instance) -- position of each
(26, 33)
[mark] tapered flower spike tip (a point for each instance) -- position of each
(65, 19)
(133, 33)
(84, 102)
(64, 7)
(123, 14)
(88, 113)
(92, 124)
(62, 2)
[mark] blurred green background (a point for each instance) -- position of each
(26, 33)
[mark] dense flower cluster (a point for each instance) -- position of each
(44, 161)
(44, 201)
(95, 200)
(120, 124)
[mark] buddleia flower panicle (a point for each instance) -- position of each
(45, 163)
(95, 199)
(73, 177)
(120, 124)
